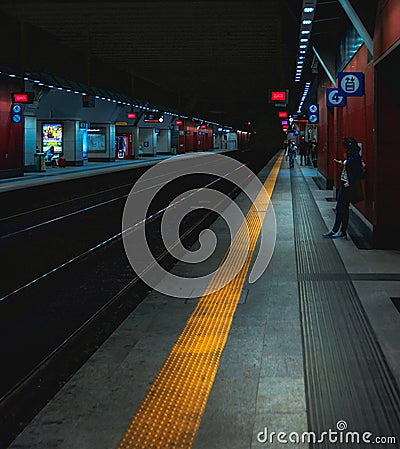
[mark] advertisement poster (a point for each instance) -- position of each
(52, 134)
(84, 143)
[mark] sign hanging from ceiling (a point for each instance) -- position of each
(351, 84)
(23, 97)
(334, 98)
(279, 97)
(153, 117)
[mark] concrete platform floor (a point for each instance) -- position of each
(260, 381)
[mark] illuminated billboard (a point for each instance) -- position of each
(52, 136)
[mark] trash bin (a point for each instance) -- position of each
(40, 164)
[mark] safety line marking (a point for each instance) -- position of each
(170, 414)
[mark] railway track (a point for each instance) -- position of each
(68, 285)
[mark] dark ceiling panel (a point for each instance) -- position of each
(223, 54)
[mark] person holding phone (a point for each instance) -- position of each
(350, 190)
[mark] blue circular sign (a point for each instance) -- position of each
(16, 108)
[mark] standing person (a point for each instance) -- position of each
(303, 151)
(292, 153)
(350, 188)
(314, 151)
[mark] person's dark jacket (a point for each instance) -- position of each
(354, 172)
(304, 148)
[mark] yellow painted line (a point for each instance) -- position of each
(170, 414)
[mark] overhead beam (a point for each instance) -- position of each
(358, 25)
(325, 67)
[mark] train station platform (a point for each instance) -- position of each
(59, 174)
(308, 353)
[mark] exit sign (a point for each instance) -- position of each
(279, 97)
(23, 97)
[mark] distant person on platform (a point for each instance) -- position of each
(350, 190)
(292, 152)
(304, 151)
(314, 151)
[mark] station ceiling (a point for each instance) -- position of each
(222, 55)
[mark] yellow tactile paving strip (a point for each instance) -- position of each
(171, 411)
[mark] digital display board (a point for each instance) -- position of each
(52, 136)
(153, 117)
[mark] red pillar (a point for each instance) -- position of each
(11, 134)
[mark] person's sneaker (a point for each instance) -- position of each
(339, 234)
(328, 234)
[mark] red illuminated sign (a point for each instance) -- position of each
(278, 95)
(282, 114)
(178, 122)
(132, 115)
(203, 126)
(22, 97)
(279, 98)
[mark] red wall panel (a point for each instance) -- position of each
(192, 141)
(386, 167)
(356, 119)
(387, 30)
(326, 150)
(358, 122)
(11, 134)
